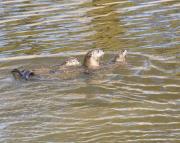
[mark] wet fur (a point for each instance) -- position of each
(92, 61)
(91, 64)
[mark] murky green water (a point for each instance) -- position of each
(139, 102)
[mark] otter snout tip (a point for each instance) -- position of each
(100, 52)
(124, 52)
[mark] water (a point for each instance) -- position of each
(137, 102)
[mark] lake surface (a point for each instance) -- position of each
(138, 102)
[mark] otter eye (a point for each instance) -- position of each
(90, 54)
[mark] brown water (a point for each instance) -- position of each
(138, 102)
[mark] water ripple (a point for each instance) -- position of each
(136, 102)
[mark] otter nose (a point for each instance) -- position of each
(100, 51)
(124, 53)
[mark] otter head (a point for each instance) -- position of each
(121, 56)
(92, 58)
(72, 61)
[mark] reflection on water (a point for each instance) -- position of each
(107, 24)
(137, 102)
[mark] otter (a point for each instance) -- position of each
(120, 57)
(92, 59)
(72, 61)
(36, 73)
(118, 60)
(71, 65)
(68, 63)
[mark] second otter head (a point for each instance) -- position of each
(72, 61)
(121, 56)
(92, 58)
